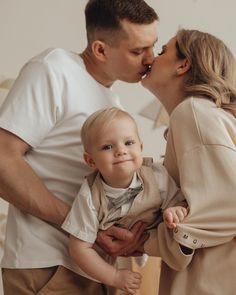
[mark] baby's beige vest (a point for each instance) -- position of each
(145, 207)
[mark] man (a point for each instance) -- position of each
(41, 158)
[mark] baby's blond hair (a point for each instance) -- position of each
(100, 120)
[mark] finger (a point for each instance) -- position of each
(121, 233)
(137, 275)
(135, 285)
(137, 244)
(114, 239)
(128, 235)
(171, 225)
(104, 241)
(139, 237)
(168, 217)
(179, 215)
(185, 211)
(138, 228)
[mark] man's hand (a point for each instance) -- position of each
(118, 241)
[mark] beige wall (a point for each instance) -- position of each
(29, 26)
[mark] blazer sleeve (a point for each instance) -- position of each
(208, 181)
(202, 144)
(201, 157)
(162, 244)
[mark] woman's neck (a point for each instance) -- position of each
(170, 98)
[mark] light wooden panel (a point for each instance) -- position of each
(150, 276)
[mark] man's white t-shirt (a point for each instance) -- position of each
(46, 107)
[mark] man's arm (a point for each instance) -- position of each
(20, 185)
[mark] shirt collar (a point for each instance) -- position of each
(114, 192)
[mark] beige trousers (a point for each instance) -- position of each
(49, 281)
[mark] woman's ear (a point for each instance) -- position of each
(98, 49)
(89, 160)
(183, 67)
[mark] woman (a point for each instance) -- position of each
(195, 79)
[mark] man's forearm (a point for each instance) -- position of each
(21, 187)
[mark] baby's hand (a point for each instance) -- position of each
(174, 215)
(127, 280)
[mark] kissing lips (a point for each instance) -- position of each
(147, 71)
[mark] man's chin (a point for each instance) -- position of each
(134, 79)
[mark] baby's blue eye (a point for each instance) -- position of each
(107, 147)
(129, 142)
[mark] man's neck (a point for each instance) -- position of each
(95, 68)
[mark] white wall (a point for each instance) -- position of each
(29, 26)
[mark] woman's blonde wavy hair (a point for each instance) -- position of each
(213, 68)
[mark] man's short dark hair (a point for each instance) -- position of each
(104, 16)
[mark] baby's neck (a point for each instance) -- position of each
(119, 183)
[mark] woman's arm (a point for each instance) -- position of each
(201, 157)
(96, 267)
(209, 187)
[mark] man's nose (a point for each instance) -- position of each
(148, 57)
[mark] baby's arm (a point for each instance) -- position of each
(174, 215)
(96, 267)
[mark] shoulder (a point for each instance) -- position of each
(198, 121)
(191, 109)
(50, 54)
(162, 177)
(55, 59)
(159, 168)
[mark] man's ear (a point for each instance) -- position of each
(98, 49)
(89, 160)
(183, 67)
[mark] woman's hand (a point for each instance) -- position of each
(118, 241)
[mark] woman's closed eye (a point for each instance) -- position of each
(162, 51)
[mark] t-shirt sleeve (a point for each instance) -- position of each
(31, 108)
(82, 221)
